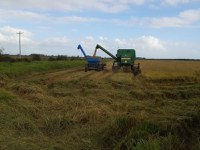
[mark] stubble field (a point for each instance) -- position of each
(51, 105)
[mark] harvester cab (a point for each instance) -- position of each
(124, 58)
(93, 63)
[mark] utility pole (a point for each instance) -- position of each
(20, 42)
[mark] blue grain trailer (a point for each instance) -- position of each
(93, 63)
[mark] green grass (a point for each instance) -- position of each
(22, 68)
(66, 108)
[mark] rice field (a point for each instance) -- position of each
(56, 105)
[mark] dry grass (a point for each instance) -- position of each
(169, 68)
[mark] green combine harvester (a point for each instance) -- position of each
(125, 58)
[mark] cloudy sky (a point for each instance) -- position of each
(155, 28)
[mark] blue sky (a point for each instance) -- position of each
(156, 29)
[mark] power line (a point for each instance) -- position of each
(20, 42)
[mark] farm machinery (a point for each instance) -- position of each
(93, 63)
(124, 58)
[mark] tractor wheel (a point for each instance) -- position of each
(86, 68)
(99, 67)
(115, 67)
(102, 67)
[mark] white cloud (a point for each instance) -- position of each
(88, 39)
(183, 49)
(146, 46)
(28, 16)
(138, 2)
(9, 39)
(187, 18)
(9, 35)
(55, 41)
(121, 43)
(21, 15)
(110, 6)
(103, 38)
(88, 44)
(149, 43)
(184, 19)
(175, 2)
(74, 19)
(190, 16)
(153, 47)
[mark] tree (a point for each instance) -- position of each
(36, 57)
(1, 51)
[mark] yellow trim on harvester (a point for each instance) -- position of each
(125, 58)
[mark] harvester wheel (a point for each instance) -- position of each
(136, 69)
(135, 72)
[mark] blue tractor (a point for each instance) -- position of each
(93, 63)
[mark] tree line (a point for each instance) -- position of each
(35, 57)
